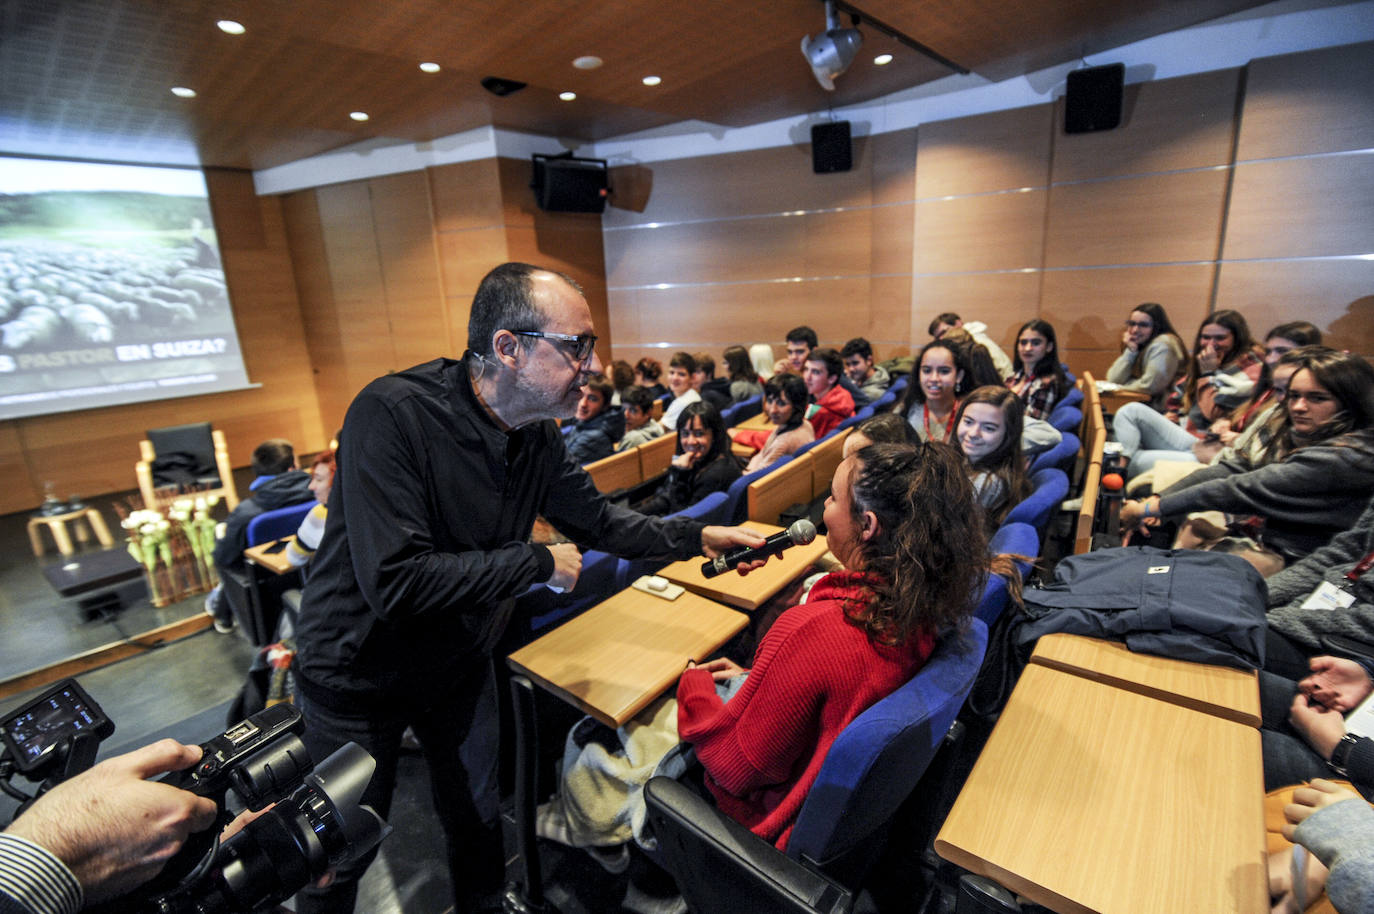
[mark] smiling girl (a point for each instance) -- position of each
(784, 400)
(932, 397)
(1039, 378)
(1151, 353)
(702, 464)
(988, 428)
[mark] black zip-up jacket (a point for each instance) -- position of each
(425, 544)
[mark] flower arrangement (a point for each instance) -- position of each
(175, 546)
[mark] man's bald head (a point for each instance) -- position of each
(506, 300)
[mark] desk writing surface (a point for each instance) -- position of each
(624, 652)
(275, 562)
(1218, 690)
(757, 422)
(1092, 798)
(757, 587)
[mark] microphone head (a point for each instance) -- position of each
(801, 532)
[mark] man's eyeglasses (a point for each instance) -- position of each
(583, 344)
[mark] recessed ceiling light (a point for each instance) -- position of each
(652, 80)
(183, 92)
(567, 96)
(429, 67)
(882, 60)
(589, 62)
(230, 27)
(358, 115)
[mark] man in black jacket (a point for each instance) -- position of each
(442, 471)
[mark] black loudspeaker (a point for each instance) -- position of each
(830, 149)
(1092, 98)
(567, 185)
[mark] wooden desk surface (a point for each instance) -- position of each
(275, 562)
(1218, 690)
(1123, 396)
(758, 421)
(624, 652)
(756, 588)
(1091, 798)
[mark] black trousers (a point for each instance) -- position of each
(457, 724)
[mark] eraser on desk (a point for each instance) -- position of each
(657, 586)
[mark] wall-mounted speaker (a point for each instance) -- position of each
(830, 147)
(1092, 98)
(563, 184)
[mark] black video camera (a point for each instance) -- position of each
(316, 824)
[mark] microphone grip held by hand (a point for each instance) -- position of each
(800, 533)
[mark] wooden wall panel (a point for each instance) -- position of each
(894, 175)
(1337, 295)
(1002, 150)
(404, 224)
(315, 291)
(1089, 307)
(757, 181)
(93, 451)
(758, 312)
(1188, 122)
(1302, 207)
(818, 244)
(1316, 101)
(986, 232)
(1003, 301)
(467, 195)
(359, 290)
(1152, 219)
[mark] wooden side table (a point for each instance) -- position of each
(57, 526)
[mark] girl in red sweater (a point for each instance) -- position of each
(903, 522)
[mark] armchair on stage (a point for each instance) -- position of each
(184, 459)
(874, 765)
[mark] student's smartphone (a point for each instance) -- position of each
(276, 547)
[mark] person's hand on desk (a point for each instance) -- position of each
(567, 565)
(722, 669)
(1321, 726)
(1337, 683)
(1318, 794)
(716, 541)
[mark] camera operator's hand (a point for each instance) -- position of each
(113, 828)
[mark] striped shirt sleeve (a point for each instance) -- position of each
(33, 881)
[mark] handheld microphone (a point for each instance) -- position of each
(799, 534)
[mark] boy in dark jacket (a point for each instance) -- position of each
(278, 484)
(599, 425)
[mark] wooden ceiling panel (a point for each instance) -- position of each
(97, 73)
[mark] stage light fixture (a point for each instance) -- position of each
(831, 52)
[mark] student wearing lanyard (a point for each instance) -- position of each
(932, 397)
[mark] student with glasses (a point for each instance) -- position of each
(443, 468)
(1151, 354)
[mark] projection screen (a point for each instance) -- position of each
(111, 288)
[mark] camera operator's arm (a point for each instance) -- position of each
(112, 828)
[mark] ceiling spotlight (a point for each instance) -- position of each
(567, 96)
(589, 62)
(882, 60)
(230, 27)
(831, 52)
(358, 115)
(652, 80)
(429, 67)
(183, 92)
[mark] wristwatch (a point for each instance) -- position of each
(1340, 755)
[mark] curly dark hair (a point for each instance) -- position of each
(929, 559)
